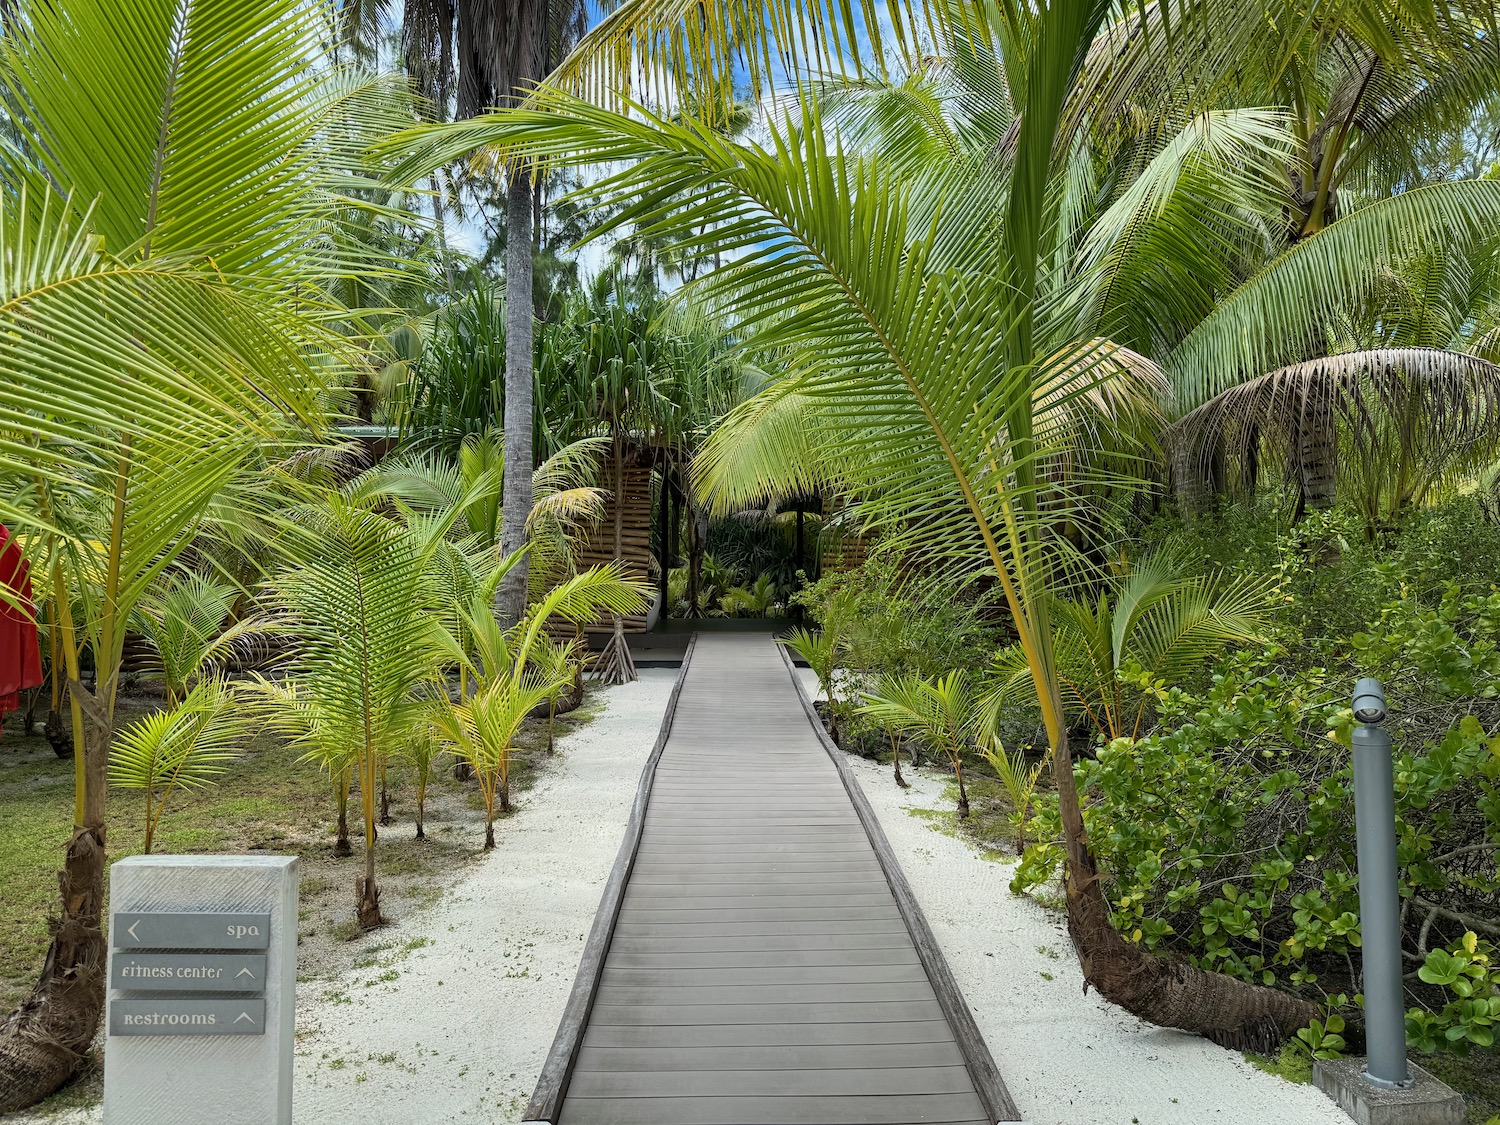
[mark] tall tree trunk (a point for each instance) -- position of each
(1159, 990)
(42, 1041)
(510, 598)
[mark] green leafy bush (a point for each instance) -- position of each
(1226, 834)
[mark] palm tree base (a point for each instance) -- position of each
(1169, 992)
(43, 1041)
(368, 911)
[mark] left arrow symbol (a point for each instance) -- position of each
(131, 929)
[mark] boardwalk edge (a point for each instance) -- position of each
(557, 1070)
(981, 1064)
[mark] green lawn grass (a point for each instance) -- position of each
(266, 801)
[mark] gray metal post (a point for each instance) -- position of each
(1379, 903)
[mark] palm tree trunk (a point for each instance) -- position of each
(422, 803)
(896, 759)
(385, 798)
(510, 598)
(57, 734)
(1166, 992)
(42, 1041)
(963, 793)
(366, 889)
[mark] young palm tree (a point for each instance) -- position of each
(159, 307)
(184, 618)
(514, 675)
(947, 713)
(1155, 616)
(821, 651)
(187, 746)
(368, 655)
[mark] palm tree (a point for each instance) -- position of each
(504, 49)
(514, 675)
(184, 617)
(941, 349)
(159, 321)
(946, 712)
(368, 656)
(1154, 616)
(186, 746)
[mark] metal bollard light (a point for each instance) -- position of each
(1379, 902)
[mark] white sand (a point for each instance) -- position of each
(1068, 1058)
(452, 1010)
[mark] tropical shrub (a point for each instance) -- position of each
(1226, 835)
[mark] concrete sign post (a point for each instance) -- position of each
(202, 989)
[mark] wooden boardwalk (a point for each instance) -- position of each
(760, 968)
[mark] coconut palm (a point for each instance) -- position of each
(947, 712)
(159, 315)
(514, 675)
(184, 617)
(820, 651)
(504, 49)
(1156, 617)
(368, 655)
(185, 747)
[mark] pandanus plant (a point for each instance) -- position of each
(514, 675)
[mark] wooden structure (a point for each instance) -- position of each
(599, 548)
(843, 549)
(759, 957)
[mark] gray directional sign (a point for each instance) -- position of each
(188, 972)
(190, 931)
(171, 1016)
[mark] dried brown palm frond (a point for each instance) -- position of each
(1389, 424)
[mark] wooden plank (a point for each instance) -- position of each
(794, 1081)
(775, 1057)
(872, 1011)
(931, 1109)
(759, 1035)
(682, 976)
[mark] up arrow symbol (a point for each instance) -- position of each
(244, 1016)
(245, 972)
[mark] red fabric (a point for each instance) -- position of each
(20, 655)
